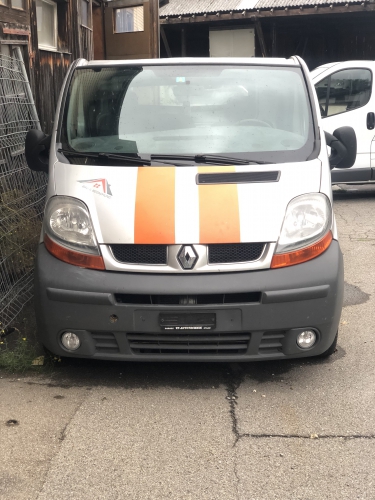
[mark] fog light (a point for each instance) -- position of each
(70, 341)
(306, 339)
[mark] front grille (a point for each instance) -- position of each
(188, 300)
(195, 344)
(271, 343)
(105, 343)
(230, 253)
(140, 254)
(227, 253)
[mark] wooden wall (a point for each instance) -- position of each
(318, 38)
(47, 68)
(50, 67)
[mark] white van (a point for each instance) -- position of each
(345, 96)
(189, 213)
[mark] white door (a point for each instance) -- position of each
(232, 43)
(345, 99)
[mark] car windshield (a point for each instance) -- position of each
(253, 112)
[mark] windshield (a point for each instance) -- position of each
(251, 112)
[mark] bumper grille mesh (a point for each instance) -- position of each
(188, 300)
(105, 343)
(231, 253)
(218, 343)
(271, 343)
(140, 254)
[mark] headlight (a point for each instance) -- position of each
(307, 220)
(67, 221)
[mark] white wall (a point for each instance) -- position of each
(232, 43)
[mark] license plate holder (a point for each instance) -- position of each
(187, 321)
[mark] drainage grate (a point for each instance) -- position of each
(271, 343)
(105, 343)
(219, 344)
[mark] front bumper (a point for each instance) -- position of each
(308, 295)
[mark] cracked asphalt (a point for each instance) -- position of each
(275, 430)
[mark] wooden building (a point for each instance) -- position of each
(318, 30)
(51, 35)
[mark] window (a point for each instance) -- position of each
(257, 112)
(16, 4)
(129, 19)
(85, 18)
(46, 19)
(344, 91)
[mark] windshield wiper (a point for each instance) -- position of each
(135, 160)
(212, 159)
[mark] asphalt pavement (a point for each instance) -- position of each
(264, 431)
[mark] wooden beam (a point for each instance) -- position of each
(13, 31)
(271, 13)
(274, 41)
(14, 42)
(183, 42)
(262, 43)
(154, 29)
(165, 41)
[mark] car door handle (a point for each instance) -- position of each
(370, 121)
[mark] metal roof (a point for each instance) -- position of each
(188, 7)
(178, 7)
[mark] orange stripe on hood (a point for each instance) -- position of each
(218, 210)
(155, 206)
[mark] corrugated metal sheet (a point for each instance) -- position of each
(186, 7)
(277, 4)
(183, 7)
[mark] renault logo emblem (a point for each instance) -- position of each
(187, 257)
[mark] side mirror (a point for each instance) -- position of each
(344, 147)
(37, 147)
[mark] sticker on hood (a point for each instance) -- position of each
(98, 186)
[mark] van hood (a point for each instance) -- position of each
(166, 205)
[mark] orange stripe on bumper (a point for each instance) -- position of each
(218, 210)
(155, 206)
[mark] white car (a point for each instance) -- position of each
(189, 213)
(345, 97)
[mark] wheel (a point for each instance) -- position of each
(331, 349)
(254, 121)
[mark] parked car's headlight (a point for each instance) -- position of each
(306, 230)
(69, 234)
(67, 220)
(307, 219)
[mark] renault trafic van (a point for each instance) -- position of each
(346, 97)
(189, 213)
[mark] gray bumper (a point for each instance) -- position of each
(308, 295)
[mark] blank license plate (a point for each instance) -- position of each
(187, 321)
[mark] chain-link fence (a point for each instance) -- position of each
(22, 191)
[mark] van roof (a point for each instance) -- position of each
(259, 61)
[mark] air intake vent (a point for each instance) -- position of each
(105, 343)
(140, 254)
(238, 177)
(219, 344)
(271, 343)
(188, 300)
(230, 253)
